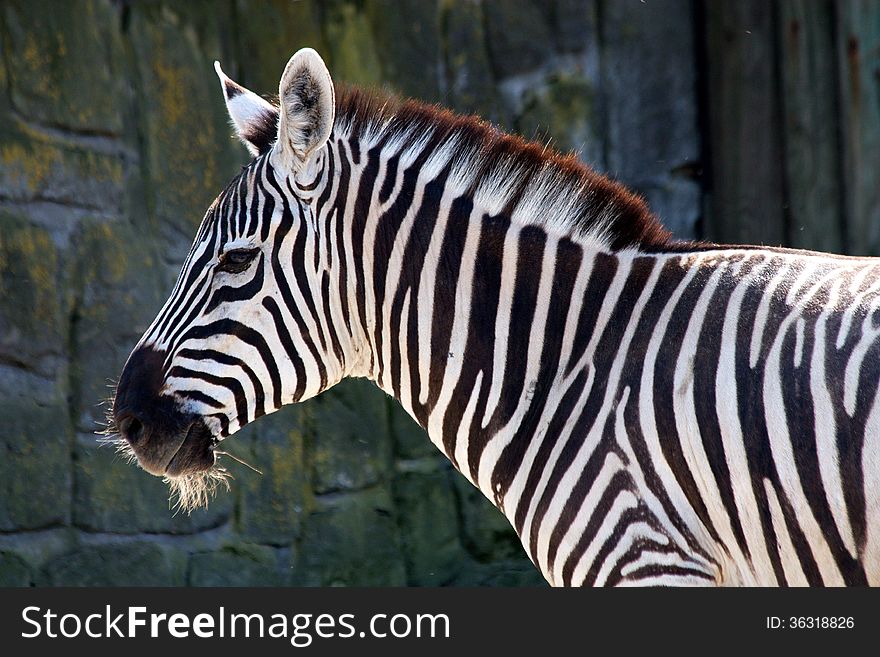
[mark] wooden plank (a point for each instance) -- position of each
(650, 95)
(858, 59)
(816, 217)
(747, 189)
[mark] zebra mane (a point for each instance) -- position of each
(530, 182)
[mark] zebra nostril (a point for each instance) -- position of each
(131, 428)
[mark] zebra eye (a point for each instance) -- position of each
(236, 260)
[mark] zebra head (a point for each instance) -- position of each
(240, 335)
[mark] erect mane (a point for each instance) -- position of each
(528, 181)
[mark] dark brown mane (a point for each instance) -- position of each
(599, 206)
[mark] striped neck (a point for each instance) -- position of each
(461, 309)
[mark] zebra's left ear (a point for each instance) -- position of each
(255, 119)
(308, 105)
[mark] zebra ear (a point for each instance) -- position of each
(255, 119)
(308, 105)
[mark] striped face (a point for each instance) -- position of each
(243, 331)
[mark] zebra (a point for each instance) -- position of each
(644, 411)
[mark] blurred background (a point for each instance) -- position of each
(739, 121)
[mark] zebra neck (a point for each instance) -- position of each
(470, 324)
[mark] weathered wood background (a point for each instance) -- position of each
(739, 120)
(793, 134)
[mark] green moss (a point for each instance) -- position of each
(35, 462)
(351, 539)
(26, 168)
(62, 60)
(352, 52)
(272, 503)
(274, 30)
(113, 496)
(429, 527)
(190, 154)
(14, 571)
(32, 318)
(352, 443)
(486, 533)
(562, 110)
(138, 563)
(117, 292)
(238, 565)
(36, 166)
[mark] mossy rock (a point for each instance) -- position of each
(32, 317)
(574, 24)
(351, 52)
(14, 571)
(116, 497)
(562, 111)
(139, 563)
(470, 82)
(429, 527)
(190, 153)
(352, 443)
(36, 548)
(518, 35)
(117, 294)
(239, 565)
(407, 37)
(271, 504)
(351, 540)
(35, 438)
(503, 573)
(64, 63)
(410, 440)
(273, 31)
(37, 166)
(486, 533)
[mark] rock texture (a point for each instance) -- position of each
(114, 140)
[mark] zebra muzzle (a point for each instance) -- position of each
(166, 440)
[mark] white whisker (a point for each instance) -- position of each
(238, 460)
(191, 491)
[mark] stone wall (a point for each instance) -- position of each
(114, 140)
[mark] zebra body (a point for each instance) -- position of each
(642, 411)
